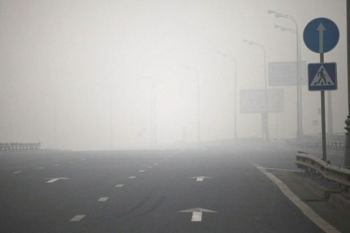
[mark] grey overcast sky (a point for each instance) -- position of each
(78, 74)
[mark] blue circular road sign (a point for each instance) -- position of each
(321, 35)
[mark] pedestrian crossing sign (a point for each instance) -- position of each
(322, 76)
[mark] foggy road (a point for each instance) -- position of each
(186, 190)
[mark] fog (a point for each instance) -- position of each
(96, 75)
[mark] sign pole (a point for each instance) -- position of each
(323, 110)
(347, 121)
(321, 35)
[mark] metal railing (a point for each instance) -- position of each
(330, 145)
(19, 146)
(337, 174)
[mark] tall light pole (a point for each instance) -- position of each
(198, 101)
(265, 114)
(235, 83)
(299, 133)
(153, 111)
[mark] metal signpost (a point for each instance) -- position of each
(321, 35)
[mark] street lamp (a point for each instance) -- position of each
(265, 114)
(198, 101)
(299, 133)
(235, 79)
(153, 112)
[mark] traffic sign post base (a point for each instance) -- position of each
(347, 144)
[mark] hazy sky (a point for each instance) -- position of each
(73, 70)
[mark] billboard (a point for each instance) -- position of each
(253, 101)
(285, 73)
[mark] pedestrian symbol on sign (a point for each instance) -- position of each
(322, 78)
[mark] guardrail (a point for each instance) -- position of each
(328, 171)
(330, 145)
(19, 146)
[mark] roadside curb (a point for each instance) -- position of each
(340, 202)
(336, 196)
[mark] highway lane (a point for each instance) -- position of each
(144, 192)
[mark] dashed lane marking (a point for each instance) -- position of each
(142, 171)
(119, 185)
(103, 199)
(77, 218)
(132, 177)
(17, 172)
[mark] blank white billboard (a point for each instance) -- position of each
(285, 73)
(253, 101)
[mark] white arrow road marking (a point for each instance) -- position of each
(142, 171)
(77, 218)
(197, 213)
(132, 177)
(17, 172)
(102, 199)
(51, 180)
(196, 217)
(119, 185)
(200, 178)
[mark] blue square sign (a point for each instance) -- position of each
(322, 76)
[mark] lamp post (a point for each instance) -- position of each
(265, 114)
(198, 101)
(299, 133)
(153, 112)
(235, 83)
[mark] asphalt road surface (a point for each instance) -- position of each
(199, 189)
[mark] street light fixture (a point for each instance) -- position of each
(198, 100)
(235, 80)
(299, 133)
(265, 114)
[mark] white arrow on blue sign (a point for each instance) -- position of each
(322, 76)
(321, 35)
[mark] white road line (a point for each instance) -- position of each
(132, 177)
(142, 171)
(52, 180)
(156, 164)
(77, 218)
(102, 199)
(149, 166)
(280, 169)
(308, 212)
(119, 185)
(196, 217)
(17, 172)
